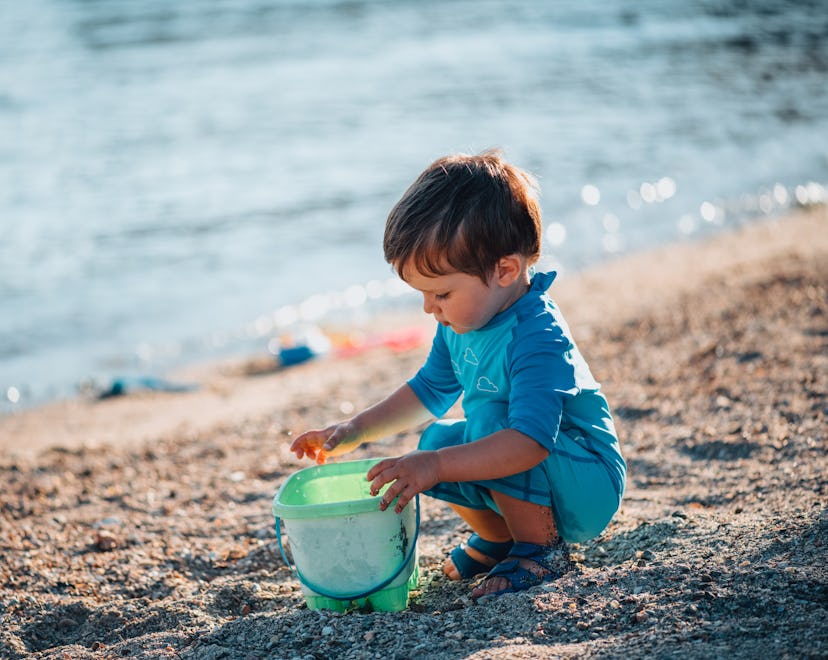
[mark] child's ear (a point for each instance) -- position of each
(509, 269)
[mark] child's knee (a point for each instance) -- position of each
(590, 514)
(442, 433)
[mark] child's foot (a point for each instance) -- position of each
(474, 557)
(527, 565)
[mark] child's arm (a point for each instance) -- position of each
(500, 454)
(399, 411)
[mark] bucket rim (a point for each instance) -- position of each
(368, 504)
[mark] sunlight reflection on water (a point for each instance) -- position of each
(181, 181)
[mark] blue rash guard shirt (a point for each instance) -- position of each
(523, 371)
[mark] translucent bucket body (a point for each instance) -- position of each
(347, 552)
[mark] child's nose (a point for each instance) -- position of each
(428, 304)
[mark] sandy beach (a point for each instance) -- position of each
(140, 526)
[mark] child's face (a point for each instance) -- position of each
(458, 300)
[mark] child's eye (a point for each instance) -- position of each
(441, 296)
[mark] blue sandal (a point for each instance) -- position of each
(554, 559)
(467, 566)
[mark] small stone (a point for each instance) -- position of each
(106, 541)
(327, 631)
(369, 636)
(641, 617)
(582, 625)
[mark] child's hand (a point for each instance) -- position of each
(411, 474)
(331, 441)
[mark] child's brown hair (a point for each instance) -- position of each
(465, 213)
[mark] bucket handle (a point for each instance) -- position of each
(322, 592)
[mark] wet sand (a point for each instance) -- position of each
(141, 526)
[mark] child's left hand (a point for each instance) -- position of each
(411, 474)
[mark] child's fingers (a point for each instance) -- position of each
(383, 473)
(390, 494)
(404, 498)
(378, 475)
(401, 492)
(301, 442)
(334, 439)
(308, 443)
(376, 470)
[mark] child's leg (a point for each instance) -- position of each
(487, 523)
(489, 526)
(527, 523)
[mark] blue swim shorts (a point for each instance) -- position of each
(572, 480)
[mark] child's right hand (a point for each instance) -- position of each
(331, 441)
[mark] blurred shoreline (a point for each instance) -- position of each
(175, 174)
(226, 393)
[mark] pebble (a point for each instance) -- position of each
(105, 541)
(327, 631)
(369, 636)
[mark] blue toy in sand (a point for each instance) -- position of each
(124, 385)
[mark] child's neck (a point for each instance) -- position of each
(515, 291)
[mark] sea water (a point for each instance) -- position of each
(183, 179)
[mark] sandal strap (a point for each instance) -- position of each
(554, 559)
(519, 578)
(495, 549)
(540, 554)
(467, 566)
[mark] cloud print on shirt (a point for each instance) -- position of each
(485, 385)
(470, 357)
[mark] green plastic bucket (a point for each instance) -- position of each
(346, 551)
